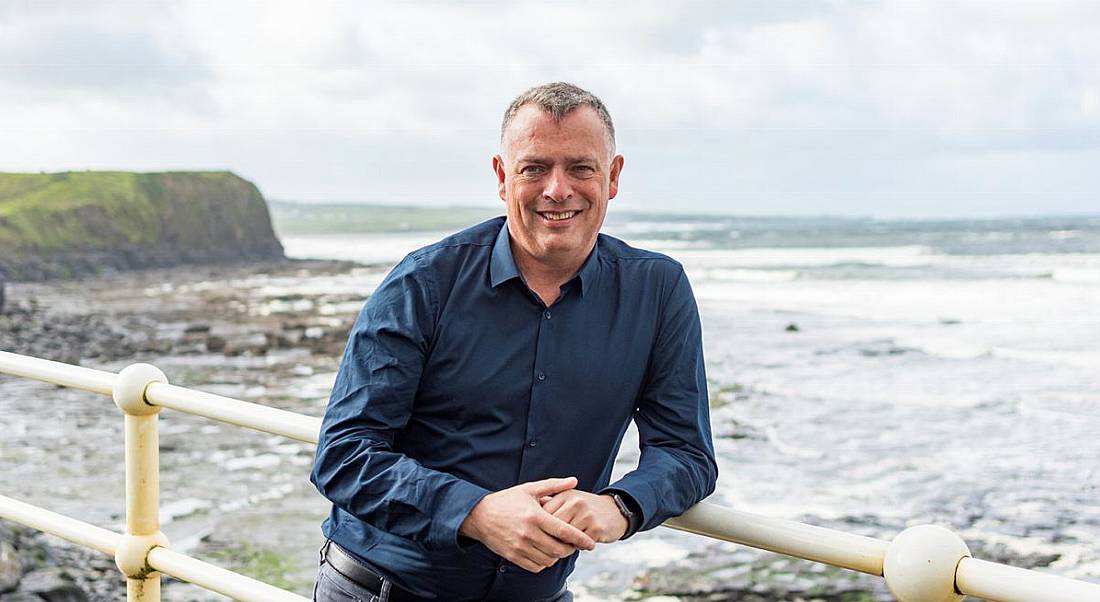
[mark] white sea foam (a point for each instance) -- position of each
(642, 227)
(741, 275)
(895, 257)
(648, 551)
(1084, 275)
(174, 509)
(257, 461)
(1080, 358)
(788, 449)
(944, 346)
(373, 248)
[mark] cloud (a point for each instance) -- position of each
(746, 106)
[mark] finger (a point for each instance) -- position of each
(554, 503)
(551, 486)
(536, 555)
(566, 512)
(544, 499)
(527, 565)
(552, 547)
(563, 531)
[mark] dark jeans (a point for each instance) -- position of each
(331, 586)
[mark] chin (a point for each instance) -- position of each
(563, 245)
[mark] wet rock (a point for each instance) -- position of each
(20, 597)
(196, 329)
(254, 344)
(11, 568)
(53, 585)
(215, 343)
(1001, 553)
(724, 574)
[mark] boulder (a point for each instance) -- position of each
(52, 584)
(11, 568)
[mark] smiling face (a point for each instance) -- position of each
(556, 177)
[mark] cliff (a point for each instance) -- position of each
(75, 223)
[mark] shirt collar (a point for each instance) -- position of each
(502, 265)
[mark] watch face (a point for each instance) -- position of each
(622, 505)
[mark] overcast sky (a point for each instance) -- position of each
(767, 107)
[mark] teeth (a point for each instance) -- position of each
(558, 216)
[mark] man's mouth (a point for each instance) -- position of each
(557, 216)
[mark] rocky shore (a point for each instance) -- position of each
(237, 312)
(37, 568)
(141, 313)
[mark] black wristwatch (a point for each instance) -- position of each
(633, 521)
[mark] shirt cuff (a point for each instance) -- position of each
(453, 507)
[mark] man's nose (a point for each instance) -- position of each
(558, 187)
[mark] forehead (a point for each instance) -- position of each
(534, 130)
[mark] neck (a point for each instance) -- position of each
(545, 276)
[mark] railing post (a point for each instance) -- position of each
(142, 482)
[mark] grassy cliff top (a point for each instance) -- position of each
(83, 211)
(100, 209)
(70, 189)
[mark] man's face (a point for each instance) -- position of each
(556, 179)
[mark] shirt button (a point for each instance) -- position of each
(532, 443)
(542, 376)
(547, 315)
(503, 569)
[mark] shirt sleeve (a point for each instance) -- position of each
(676, 469)
(356, 466)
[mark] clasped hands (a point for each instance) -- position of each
(535, 524)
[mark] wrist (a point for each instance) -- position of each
(469, 526)
(630, 515)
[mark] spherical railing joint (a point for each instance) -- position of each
(132, 553)
(129, 389)
(920, 564)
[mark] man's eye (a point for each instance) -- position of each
(585, 169)
(531, 170)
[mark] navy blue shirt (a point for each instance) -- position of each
(458, 381)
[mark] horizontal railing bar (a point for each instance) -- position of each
(76, 531)
(167, 561)
(217, 579)
(234, 411)
(855, 552)
(845, 550)
(67, 375)
(1004, 583)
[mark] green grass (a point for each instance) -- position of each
(98, 210)
(258, 563)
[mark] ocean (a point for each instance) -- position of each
(871, 375)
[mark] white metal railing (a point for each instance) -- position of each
(921, 564)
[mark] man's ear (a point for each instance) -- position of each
(616, 169)
(498, 169)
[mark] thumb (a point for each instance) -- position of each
(550, 486)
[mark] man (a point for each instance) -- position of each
(486, 386)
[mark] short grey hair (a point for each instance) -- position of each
(559, 99)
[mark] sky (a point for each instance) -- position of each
(754, 107)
